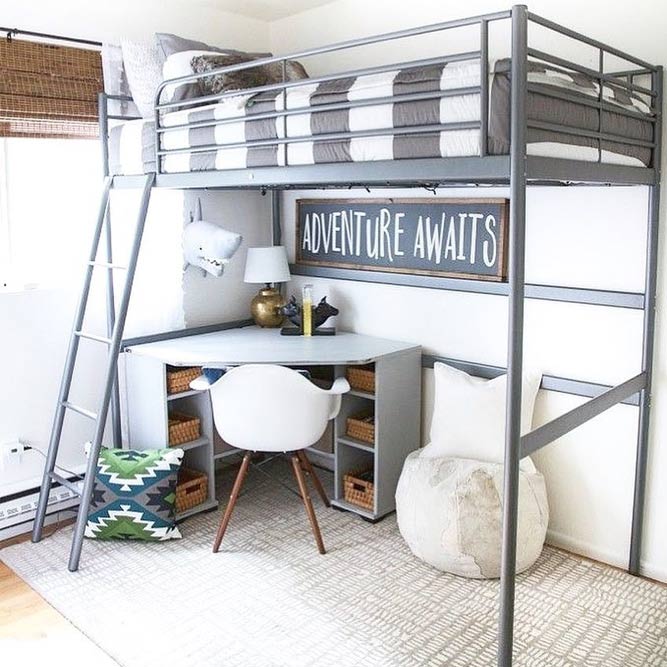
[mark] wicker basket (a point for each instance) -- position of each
(359, 488)
(182, 428)
(362, 427)
(361, 378)
(179, 379)
(191, 489)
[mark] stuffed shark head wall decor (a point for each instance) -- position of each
(208, 246)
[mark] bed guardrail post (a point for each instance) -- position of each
(634, 564)
(484, 86)
(156, 128)
(285, 146)
(600, 102)
(515, 332)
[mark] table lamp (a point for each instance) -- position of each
(267, 265)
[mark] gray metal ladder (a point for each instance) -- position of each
(113, 341)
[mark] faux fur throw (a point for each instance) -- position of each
(251, 77)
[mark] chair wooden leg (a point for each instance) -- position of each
(298, 473)
(308, 467)
(238, 483)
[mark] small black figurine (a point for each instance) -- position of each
(321, 313)
(292, 311)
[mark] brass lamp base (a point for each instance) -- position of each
(265, 307)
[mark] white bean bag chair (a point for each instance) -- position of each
(449, 512)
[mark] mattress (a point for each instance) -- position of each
(132, 149)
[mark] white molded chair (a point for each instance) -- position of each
(267, 408)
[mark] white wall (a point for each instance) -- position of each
(36, 324)
(109, 20)
(590, 471)
(207, 299)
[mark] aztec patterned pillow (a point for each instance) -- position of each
(134, 495)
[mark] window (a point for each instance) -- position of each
(50, 175)
(49, 195)
(48, 90)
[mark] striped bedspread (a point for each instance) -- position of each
(382, 102)
(380, 113)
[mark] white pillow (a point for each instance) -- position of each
(469, 414)
(143, 66)
(115, 81)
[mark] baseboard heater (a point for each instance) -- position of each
(17, 510)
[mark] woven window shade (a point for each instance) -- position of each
(48, 90)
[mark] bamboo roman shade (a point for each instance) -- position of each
(48, 90)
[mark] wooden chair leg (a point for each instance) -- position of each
(308, 467)
(298, 473)
(238, 483)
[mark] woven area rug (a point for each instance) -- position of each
(269, 599)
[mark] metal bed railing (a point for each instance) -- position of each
(624, 80)
(480, 54)
(103, 102)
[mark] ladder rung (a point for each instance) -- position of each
(82, 411)
(89, 336)
(65, 482)
(107, 265)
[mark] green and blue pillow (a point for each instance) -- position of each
(134, 495)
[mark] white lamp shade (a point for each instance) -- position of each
(267, 265)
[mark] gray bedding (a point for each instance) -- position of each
(542, 108)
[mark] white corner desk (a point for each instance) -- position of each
(396, 402)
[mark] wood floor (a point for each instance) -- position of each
(32, 630)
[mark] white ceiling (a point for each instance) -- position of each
(267, 10)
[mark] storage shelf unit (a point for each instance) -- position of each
(147, 407)
(396, 404)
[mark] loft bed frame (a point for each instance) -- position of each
(518, 170)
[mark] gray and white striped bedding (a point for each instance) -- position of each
(132, 148)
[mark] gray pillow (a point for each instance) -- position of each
(252, 77)
(168, 44)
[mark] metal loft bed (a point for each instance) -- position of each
(518, 170)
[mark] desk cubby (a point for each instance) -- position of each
(147, 408)
(396, 406)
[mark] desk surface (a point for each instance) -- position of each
(252, 345)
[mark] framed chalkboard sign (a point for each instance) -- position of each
(460, 238)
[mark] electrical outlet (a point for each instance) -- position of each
(11, 454)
